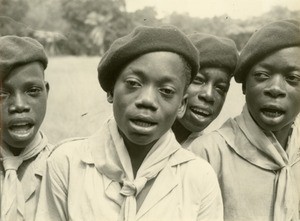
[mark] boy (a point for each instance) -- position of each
(24, 148)
(207, 92)
(133, 168)
(257, 154)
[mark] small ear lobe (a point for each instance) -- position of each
(47, 86)
(182, 108)
(109, 97)
(244, 88)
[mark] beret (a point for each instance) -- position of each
(270, 38)
(142, 40)
(16, 51)
(215, 51)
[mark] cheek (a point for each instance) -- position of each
(192, 90)
(219, 103)
(40, 106)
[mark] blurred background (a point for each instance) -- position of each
(76, 33)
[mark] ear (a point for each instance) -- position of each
(182, 107)
(244, 88)
(109, 97)
(47, 87)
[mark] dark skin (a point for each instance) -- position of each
(283, 136)
(182, 133)
(146, 100)
(272, 89)
(23, 104)
(137, 154)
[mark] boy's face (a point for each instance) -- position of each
(273, 89)
(206, 96)
(23, 100)
(148, 95)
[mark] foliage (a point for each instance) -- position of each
(15, 9)
(88, 27)
(94, 24)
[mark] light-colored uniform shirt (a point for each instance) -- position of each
(190, 139)
(30, 174)
(251, 175)
(74, 189)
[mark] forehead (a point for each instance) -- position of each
(157, 65)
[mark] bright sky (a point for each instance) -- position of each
(208, 8)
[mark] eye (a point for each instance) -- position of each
(167, 91)
(261, 75)
(198, 80)
(132, 83)
(293, 78)
(3, 94)
(222, 89)
(34, 91)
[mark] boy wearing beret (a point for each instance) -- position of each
(257, 154)
(206, 94)
(133, 168)
(24, 148)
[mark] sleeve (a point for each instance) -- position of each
(211, 205)
(209, 147)
(52, 203)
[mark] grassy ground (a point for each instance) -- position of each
(77, 105)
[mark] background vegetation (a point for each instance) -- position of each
(88, 27)
(76, 33)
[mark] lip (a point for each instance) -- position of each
(21, 128)
(143, 123)
(272, 111)
(201, 111)
(20, 121)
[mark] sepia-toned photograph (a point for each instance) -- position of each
(149, 110)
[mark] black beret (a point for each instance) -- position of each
(142, 40)
(270, 38)
(16, 51)
(215, 51)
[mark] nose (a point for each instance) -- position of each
(18, 104)
(206, 93)
(147, 99)
(276, 87)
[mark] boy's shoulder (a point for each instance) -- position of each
(212, 140)
(69, 147)
(195, 172)
(190, 161)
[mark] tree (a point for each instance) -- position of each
(94, 24)
(145, 16)
(15, 9)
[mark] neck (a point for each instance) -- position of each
(181, 133)
(16, 151)
(283, 135)
(137, 153)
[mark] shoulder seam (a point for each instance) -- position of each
(56, 146)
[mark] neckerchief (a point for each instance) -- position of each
(114, 162)
(12, 196)
(266, 152)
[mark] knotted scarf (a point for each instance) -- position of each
(114, 162)
(271, 156)
(12, 198)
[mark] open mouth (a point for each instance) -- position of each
(273, 113)
(143, 123)
(21, 130)
(200, 112)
